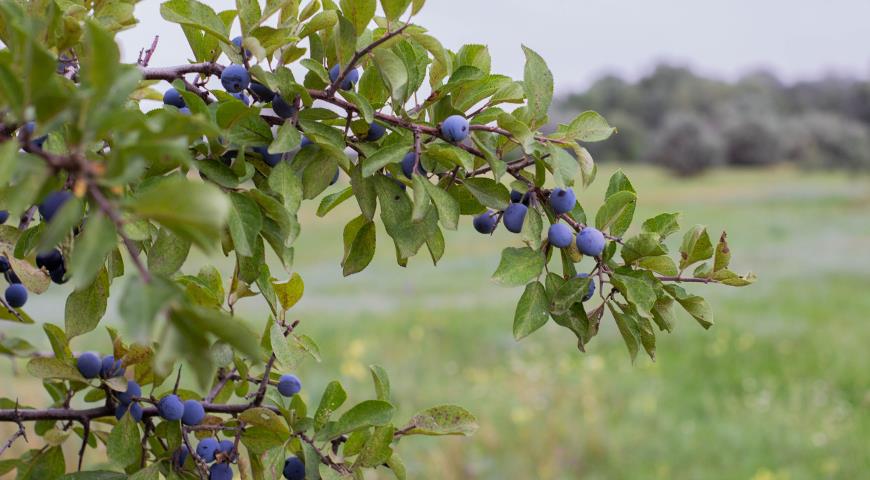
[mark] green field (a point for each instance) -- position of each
(778, 389)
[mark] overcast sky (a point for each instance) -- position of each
(582, 39)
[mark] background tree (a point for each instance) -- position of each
(103, 190)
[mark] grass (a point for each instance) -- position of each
(777, 389)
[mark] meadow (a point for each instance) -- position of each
(778, 389)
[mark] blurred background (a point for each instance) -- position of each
(748, 116)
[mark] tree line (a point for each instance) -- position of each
(689, 123)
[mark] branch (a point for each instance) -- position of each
(144, 61)
(115, 217)
(342, 75)
(21, 432)
(171, 73)
(680, 279)
(88, 414)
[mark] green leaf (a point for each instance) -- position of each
(383, 157)
(365, 108)
(723, 254)
(531, 313)
(89, 254)
(663, 225)
(589, 126)
(266, 418)
(286, 139)
(697, 307)
(289, 292)
(393, 73)
(447, 206)
(365, 414)
(662, 264)
(168, 253)
(50, 368)
(359, 12)
(538, 84)
(333, 397)
(94, 475)
(518, 266)
(333, 200)
(638, 292)
(394, 8)
(47, 464)
(381, 381)
(151, 472)
(443, 420)
(518, 130)
(123, 445)
(321, 21)
(570, 292)
(488, 192)
(86, 307)
(376, 450)
(359, 246)
(696, 246)
(642, 245)
(286, 354)
(245, 221)
(222, 325)
(616, 213)
(285, 183)
(195, 14)
(201, 217)
(627, 325)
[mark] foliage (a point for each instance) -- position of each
(755, 121)
(140, 191)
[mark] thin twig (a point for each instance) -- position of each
(115, 217)
(342, 75)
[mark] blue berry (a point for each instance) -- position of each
(485, 222)
(240, 96)
(89, 365)
(282, 108)
(16, 295)
(220, 471)
(238, 43)
(289, 385)
(170, 407)
(294, 469)
(53, 203)
(590, 241)
(109, 367)
(4, 215)
(560, 235)
(172, 97)
(591, 290)
(349, 80)
(408, 165)
(193, 414)
(235, 78)
(562, 200)
(271, 159)
(133, 390)
(206, 449)
(180, 456)
(455, 128)
(376, 131)
(261, 92)
(514, 216)
(134, 408)
(50, 260)
(226, 447)
(27, 130)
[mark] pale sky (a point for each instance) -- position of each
(582, 39)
